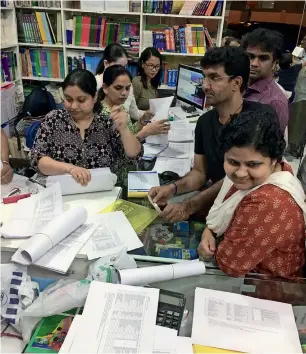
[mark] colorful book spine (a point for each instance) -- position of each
(42, 63)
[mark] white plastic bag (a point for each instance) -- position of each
(104, 269)
(17, 292)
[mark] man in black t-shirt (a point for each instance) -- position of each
(226, 74)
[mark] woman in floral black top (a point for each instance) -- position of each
(84, 136)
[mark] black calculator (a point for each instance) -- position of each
(170, 309)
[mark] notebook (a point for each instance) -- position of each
(140, 182)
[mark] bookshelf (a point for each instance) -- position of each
(65, 10)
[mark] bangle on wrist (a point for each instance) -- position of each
(69, 171)
(175, 185)
(6, 162)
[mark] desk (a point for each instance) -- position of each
(92, 202)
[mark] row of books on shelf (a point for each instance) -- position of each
(42, 63)
(97, 31)
(187, 7)
(189, 39)
(168, 76)
(8, 66)
(39, 28)
(41, 3)
(90, 61)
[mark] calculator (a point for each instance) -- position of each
(170, 309)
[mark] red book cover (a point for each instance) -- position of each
(85, 31)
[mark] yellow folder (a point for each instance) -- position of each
(203, 349)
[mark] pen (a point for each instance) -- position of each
(34, 181)
(193, 115)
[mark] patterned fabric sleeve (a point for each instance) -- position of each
(265, 232)
(43, 142)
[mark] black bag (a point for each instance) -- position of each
(37, 104)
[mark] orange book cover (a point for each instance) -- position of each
(29, 63)
(103, 24)
(210, 8)
(188, 36)
(172, 40)
(85, 31)
(167, 34)
(55, 64)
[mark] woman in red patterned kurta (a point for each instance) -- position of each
(260, 209)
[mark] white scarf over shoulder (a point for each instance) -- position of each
(221, 213)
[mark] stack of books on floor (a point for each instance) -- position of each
(184, 8)
(8, 66)
(190, 39)
(41, 3)
(97, 31)
(39, 27)
(42, 63)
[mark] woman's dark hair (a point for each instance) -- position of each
(85, 80)
(267, 40)
(145, 56)
(110, 75)
(285, 61)
(258, 129)
(234, 60)
(111, 53)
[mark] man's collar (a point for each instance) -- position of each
(261, 84)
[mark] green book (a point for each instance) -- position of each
(61, 65)
(92, 31)
(78, 30)
(37, 62)
(50, 333)
(49, 64)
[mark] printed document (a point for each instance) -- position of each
(32, 214)
(160, 107)
(246, 324)
(61, 256)
(178, 150)
(117, 319)
(112, 233)
(180, 166)
(57, 244)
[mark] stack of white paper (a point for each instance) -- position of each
(102, 179)
(32, 214)
(116, 319)
(51, 248)
(181, 131)
(114, 231)
(236, 322)
(166, 341)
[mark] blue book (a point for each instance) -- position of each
(97, 39)
(32, 56)
(46, 27)
(182, 40)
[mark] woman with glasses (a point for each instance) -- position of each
(145, 85)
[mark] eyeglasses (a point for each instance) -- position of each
(153, 67)
(211, 80)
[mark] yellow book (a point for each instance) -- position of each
(203, 349)
(139, 216)
(41, 28)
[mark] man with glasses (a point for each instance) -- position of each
(226, 74)
(264, 48)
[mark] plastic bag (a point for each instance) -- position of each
(65, 295)
(104, 269)
(17, 292)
